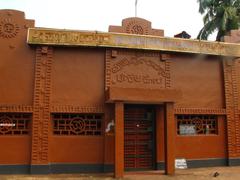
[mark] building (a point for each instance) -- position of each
(127, 99)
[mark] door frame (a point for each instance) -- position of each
(169, 138)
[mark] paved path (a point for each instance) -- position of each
(223, 173)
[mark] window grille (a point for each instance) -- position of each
(196, 124)
(15, 123)
(77, 124)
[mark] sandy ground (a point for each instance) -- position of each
(221, 173)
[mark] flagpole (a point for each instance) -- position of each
(136, 1)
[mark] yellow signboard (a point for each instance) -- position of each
(58, 37)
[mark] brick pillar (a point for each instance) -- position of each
(232, 109)
(119, 140)
(169, 138)
(41, 111)
(231, 69)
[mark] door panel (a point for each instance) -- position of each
(138, 138)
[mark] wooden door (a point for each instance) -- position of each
(138, 138)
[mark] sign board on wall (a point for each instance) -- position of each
(61, 37)
(187, 129)
(180, 163)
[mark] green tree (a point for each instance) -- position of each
(219, 15)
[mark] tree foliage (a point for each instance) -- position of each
(219, 15)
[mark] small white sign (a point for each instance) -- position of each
(187, 129)
(180, 163)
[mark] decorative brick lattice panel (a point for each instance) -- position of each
(202, 124)
(77, 124)
(15, 123)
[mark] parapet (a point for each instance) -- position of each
(135, 25)
(233, 37)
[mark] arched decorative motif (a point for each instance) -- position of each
(13, 24)
(140, 69)
(136, 25)
(8, 28)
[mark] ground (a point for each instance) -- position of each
(221, 173)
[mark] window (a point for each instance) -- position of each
(77, 124)
(196, 124)
(14, 123)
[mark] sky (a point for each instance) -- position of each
(173, 16)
